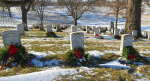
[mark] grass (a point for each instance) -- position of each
(89, 48)
(39, 33)
(5, 29)
(49, 48)
(144, 70)
(47, 42)
(101, 74)
(35, 33)
(55, 56)
(18, 70)
(98, 74)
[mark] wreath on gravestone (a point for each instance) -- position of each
(131, 54)
(13, 54)
(77, 57)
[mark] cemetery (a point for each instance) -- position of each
(60, 49)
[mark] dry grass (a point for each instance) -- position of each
(100, 74)
(100, 48)
(18, 70)
(49, 48)
(47, 42)
(39, 33)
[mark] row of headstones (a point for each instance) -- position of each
(77, 41)
(13, 37)
(56, 27)
(134, 33)
(89, 29)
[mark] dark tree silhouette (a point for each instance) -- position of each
(134, 17)
(76, 8)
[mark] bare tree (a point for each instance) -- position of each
(40, 12)
(25, 7)
(118, 6)
(76, 8)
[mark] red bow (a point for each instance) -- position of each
(78, 54)
(12, 50)
(97, 35)
(131, 57)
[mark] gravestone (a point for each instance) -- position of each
(96, 31)
(77, 40)
(112, 26)
(73, 28)
(145, 34)
(126, 40)
(11, 37)
(116, 32)
(148, 35)
(134, 33)
(49, 28)
(20, 28)
(87, 29)
(99, 29)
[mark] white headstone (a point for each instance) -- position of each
(73, 28)
(99, 29)
(144, 34)
(49, 28)
(96, 31)
(116, 32)
(20, 28)
(134, 33)
(77, 40)
(11, 37)
(126, 40)
(148, 35)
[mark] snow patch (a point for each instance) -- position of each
(95, 53)
(36, 62)
(47, 75)
(115, 65)
(38, 54)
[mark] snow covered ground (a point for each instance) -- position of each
(46, 75)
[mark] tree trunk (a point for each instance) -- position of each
(24, 17)
(134, 17)
(75, 22)
(9, 12)
(41, 25)
(117, 14)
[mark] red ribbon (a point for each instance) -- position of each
(78, 54)
(12, 50)
(97, 35)
(131, 57)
